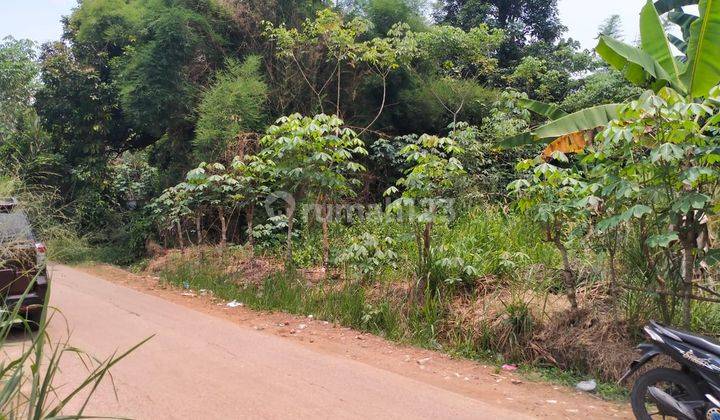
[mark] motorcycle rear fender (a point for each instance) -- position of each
(649, 351)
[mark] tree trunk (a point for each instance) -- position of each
(337, 105)
(180, 235)
(688, 262)
(423, 243)
(662, 285)
(568, 274)
(249, 216)
(426, 243)
(290, 212)
(198, 227)
(688, 268)
(325, 237)
(223, 227)
(613, 274)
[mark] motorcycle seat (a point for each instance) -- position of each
(699, 341)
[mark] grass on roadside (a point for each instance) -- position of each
(606, 390)
(422, 324)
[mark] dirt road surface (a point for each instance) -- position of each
(207, 361)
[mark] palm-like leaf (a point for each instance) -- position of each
(678, 43)
(550, 111)
(586, 119)
(703, 56)
(522, 139)
(664, 6)
(683, 20)
(657, 45)
(636, 65)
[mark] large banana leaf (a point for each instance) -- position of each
(655, 43)
(586, 119)
(583, 120)
(569, 143)
(683, 20)
(518, 140)
(678, 43)
(550, 111)
(703, 54)
(635, 64)
(664, 6)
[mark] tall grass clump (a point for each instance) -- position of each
(495, 242)
(50, 223)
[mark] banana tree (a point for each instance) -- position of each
(653, 65)
(673, 9)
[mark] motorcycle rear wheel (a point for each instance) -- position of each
(674, 382)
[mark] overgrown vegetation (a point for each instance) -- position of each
(379, 146)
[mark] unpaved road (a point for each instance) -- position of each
(204, 365)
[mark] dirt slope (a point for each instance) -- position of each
(211, 362)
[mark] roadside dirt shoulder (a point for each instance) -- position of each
(464, 377)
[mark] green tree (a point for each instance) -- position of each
(656, 168)
(333, 59)
(314, 159)
(612, 27)
(159, 78)
(605, 86)
(18, 81)
(554, 197)
(234, 104)
(434, 171)
(523, 21)
(384, 14)
(450, 69)
(549, 72)
(255, 177)
(24, 145)
(213, 184)
(170, 210)
(653, 65)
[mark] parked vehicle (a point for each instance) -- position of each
(690, 393)
(23, 272)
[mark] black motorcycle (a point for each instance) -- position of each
(691, 393)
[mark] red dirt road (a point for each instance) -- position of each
(208, 362)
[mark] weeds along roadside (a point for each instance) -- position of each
(426, 323)
(507, 288)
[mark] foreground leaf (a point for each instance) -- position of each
(522, 139)
(636, 65)
(586, 119)
(663, 240)
(703, 67)
(550, 111)
(655, 43)
(569, 143)
(683, 20)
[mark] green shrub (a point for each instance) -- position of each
(67, 247)
(234, 104)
